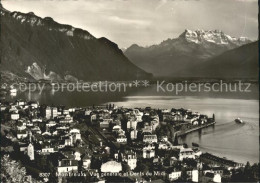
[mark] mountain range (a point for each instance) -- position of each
(194, 53)
(35, 48)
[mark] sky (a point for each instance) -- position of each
(147, 22)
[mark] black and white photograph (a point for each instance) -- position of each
(129, 91)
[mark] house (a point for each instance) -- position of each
(194, 175)
(116, 129)
(211, 177)
(36, 129)
(149, 147)
(75, 135)
(34, 105)
(121, 138)
(129, 157)
(86, 161)
(48, 149)
(36, 120)
(104, 124)
(48, 113)
(29, 123)
(173, 160)
(112, 167)
(51, 123)
(66, 111)
(77, 156)
(22, 134)
(51, 112)
(20, 126)
(174, 175)
(177, 147)
(67, 165)
(88, 112)
(164, 138)
(150, 139)
(93, 118)
(2, 108)
(148, 129)
(68, 141)
(148, 153)
(133, 134)
(131, 124)
(163, 146)
(186, 153)
(13, 109)
(67, 119)
(19, 103)
(15, 116)
(54, 112)
(197, 152)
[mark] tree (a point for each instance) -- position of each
(11, 171)
(125, 167)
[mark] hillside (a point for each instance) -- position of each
(36, 48)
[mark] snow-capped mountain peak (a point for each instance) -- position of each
(212, 36)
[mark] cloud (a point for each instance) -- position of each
(163, 2)
(129, 21)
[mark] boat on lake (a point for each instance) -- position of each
(238, 120)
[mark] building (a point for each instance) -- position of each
(48, 150)
(67, 165)
(22, 134)
(34, 105)
(131, 124)
(86, 161)
(121, 138)
(148, 153)
(51, 112)
(133, 134)
(215, 161)
(211, 177)
(104, 124)
(30, 151)
(150, 139)
(54, 112)
(77, 156)
(186, 153)
(174, 175)
(66, 120)
(130, 158)
(48, 113)
(194, 175)
(15, 116)
(111, 166)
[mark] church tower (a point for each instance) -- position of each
(30, 149)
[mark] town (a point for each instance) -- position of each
(107, 144)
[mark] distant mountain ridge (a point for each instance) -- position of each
(175, 57)
(37, 48)
(241, 62)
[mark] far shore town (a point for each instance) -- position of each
(109, 144)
